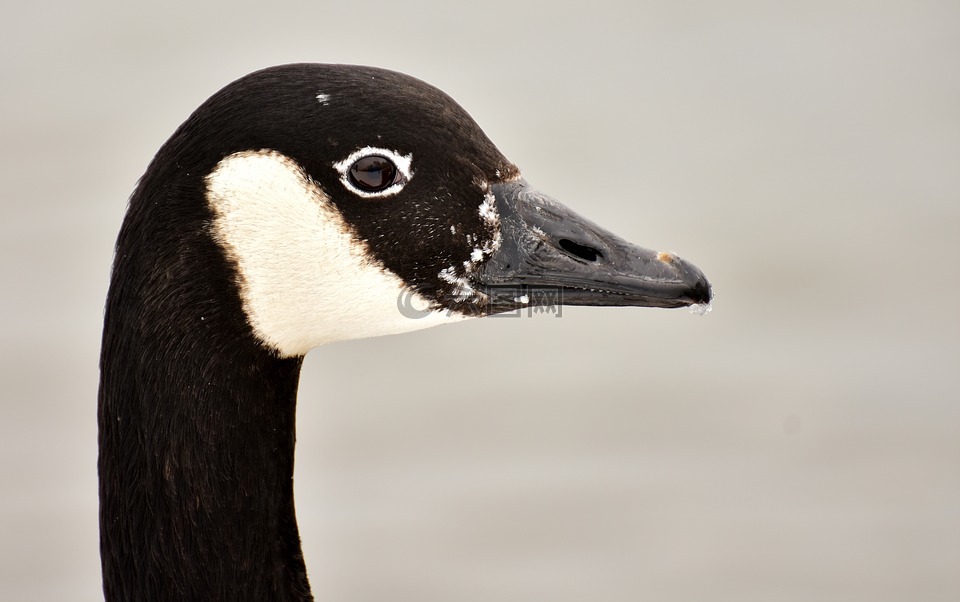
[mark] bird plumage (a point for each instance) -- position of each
(278, 217)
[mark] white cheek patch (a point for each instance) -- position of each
(305, 278)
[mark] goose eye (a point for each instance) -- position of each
(374, 173)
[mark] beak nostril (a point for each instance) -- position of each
(582, 251)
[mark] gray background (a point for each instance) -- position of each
(801, 442)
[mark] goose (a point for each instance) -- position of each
(301, 205)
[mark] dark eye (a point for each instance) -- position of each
(373, 173)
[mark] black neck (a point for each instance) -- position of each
(196, 428)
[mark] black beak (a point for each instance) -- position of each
(549, 255)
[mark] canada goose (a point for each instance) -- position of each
(294, 208)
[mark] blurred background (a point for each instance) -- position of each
(800, 442)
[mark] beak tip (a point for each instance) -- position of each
(700, 291)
